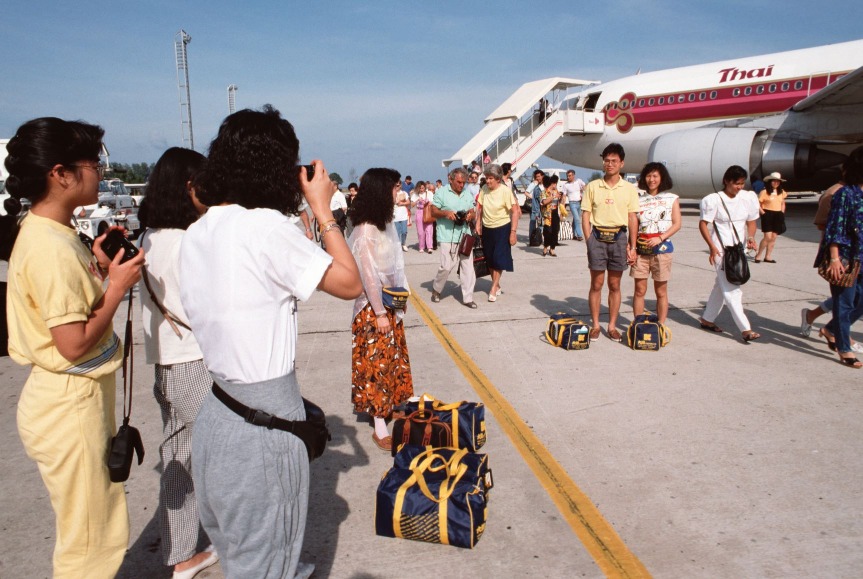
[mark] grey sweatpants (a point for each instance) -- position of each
(253, 483)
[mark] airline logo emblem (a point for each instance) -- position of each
(732, 74)
(617, 113)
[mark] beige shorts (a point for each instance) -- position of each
(656, 266)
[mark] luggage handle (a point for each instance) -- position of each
(417, 417)
(437, 404)
(447, 486)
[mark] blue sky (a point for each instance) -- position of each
(397, 84)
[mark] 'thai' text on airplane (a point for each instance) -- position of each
(796, 112)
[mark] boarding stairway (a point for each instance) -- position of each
(527, 124)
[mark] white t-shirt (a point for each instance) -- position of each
(400, 212)
(338, 201)
(162, 345)
(655, 211)
(241, 272)
(743, 208)
(572, 190)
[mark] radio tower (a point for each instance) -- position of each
(181, 40)
(232, 98)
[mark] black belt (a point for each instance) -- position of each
(253, 415)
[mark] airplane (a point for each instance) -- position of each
(798, 112)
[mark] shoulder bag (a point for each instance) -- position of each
(427, 213)
(852, 268)
(734, 256)
(128, 442)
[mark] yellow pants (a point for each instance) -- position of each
(66, 423)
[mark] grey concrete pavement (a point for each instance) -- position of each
(710, 458)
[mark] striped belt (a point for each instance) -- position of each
(102, 358)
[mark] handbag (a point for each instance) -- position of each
(734, 261)
(480, 264)
(312, 431)
(427, 214)
(127, 442)
(847, 279)
(442, 498)
(465, 245)
(466, 419)
(536, 236)
(420, 430)
(395, 298)
(565, 232)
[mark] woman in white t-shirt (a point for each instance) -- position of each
(243, 267)
(182, 379)
(733, 212)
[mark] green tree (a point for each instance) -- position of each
(134, 173)
(337, 179)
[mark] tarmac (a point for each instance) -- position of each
(710, 458)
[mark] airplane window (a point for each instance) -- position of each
(651, 102)
(662, 100)
(747, 91)
(759, 89)
(798, 85)
(735, 92)
(692, 97)
(785, 86)
(640, 102)
(772, 87)
(702, 96)
(713, 94)
(681, 98)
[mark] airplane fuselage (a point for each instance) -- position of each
(747, 98)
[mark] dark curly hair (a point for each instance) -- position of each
(41, 144)
(374, 201)
(665, 182)
(167, 203)
(253, 162)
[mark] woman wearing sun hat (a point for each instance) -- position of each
(772, 208)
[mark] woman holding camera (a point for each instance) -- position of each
(497, 221)
(243, 267)
(61, 324)
(381, 368)
(182, 378)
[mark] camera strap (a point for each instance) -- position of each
(128, 361)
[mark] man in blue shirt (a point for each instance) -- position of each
(408, 185)
(453, 208)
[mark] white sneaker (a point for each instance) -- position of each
(404, 247)
(805, 326)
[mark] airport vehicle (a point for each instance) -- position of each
(796, 112)
(94, 220)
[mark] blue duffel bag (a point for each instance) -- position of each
(441, 498)
(467, 419)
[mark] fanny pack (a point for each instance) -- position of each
(607, 234)
(395, 298)
(641, 247)
(312, 431)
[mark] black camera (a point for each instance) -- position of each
(310, 171)
(460, 217)
(115, 240)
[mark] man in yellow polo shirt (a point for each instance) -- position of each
(609, 218)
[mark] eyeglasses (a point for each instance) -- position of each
(98, 167)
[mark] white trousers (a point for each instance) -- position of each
(449, 259)
(726, 294)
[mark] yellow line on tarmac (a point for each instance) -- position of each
(598, 536)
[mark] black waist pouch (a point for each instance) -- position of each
(312, 431)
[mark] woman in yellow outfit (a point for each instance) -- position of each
(60, 323)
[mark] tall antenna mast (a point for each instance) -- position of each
(232, 98)
(181, 40)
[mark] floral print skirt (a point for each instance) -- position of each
(380, 366)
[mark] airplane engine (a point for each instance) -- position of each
(697, 158)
